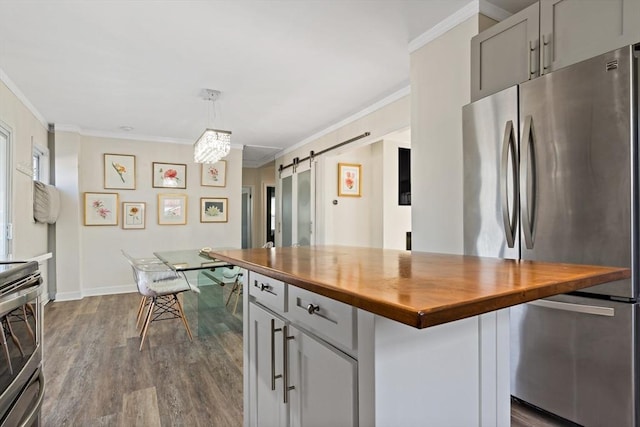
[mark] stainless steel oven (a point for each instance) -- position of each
(21, 376)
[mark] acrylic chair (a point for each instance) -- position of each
(160, 286)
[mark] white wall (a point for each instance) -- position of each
(380, 122)
(440, 86)
(90, 262)
(353, 221)
(30, 238)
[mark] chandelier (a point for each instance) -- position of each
(213, 144)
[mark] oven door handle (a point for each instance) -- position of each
(13, 301)
(36, 409)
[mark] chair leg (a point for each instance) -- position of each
(147, 322)
(141, 306)
(183, 317)
(233, 289)
(238, 292)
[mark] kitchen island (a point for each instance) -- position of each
(361, 336)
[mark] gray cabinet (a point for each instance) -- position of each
(505, 54)
(297, 375)
(324, 381)
(265, 369)
(546, 36)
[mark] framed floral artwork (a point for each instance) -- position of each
(213, 209)
(100, 208)
(134, 215)
(349, 179)
(172, 209)
(214, 174)
(119, 171)
(169, 175)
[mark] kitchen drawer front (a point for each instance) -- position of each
(332, 320)
(269, 292)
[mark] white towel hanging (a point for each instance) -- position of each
(46, 202)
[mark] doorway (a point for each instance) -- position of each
(247, 216)
(5, 193)
(270, 209)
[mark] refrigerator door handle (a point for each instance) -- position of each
(508, 146)
(576, 308)
(528, 188)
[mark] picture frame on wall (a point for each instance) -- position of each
(214, 209)
(169, 175)
(172, 209)
(119, 171)
(134, 215)
(214, 174)
(349, 179)
(100, 208)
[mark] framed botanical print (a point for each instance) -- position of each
(134, 215)
(349, 179)
(172, 209)
(119, 171)
(100, 208)
(169, 175)
(214, 174)
(213, 209)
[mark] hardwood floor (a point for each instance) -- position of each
(95, 375)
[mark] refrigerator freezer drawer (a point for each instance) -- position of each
(574, 357)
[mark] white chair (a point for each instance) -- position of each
(159, 286)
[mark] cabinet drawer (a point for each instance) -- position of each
(267, 291)
(330, 319)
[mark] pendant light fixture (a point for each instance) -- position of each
(213, 144)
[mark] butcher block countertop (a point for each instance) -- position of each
(418, 289)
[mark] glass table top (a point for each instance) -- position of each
(191, 259)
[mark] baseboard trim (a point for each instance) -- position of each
(93, 292)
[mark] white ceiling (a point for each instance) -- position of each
(286, 69)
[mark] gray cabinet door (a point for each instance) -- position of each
(505, 54)
(267, 407)
(324, 382)
(575, 30)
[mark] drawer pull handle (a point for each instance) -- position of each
(313, 308)
(264, 287)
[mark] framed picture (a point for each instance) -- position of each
(213, 209)
(134, 215)
(349, 179)
(214, 174)
(119, 171)
(100, 208)
(172, 209)
(169, 175)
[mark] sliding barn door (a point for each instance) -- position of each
(297, 191)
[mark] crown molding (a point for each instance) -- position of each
(129, 136)
(21, 96)
(405, 91)
(472, 8)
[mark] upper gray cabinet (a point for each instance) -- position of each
(548, 35)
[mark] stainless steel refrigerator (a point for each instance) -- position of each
(550, 174)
